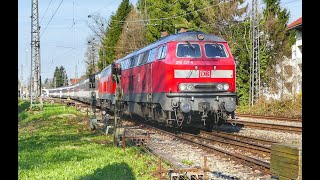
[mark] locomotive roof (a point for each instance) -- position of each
(185, 36)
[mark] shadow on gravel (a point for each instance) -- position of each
(224, 176)
(229, 128)
(121, 171)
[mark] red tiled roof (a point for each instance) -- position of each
(73, 81)
(295, 23)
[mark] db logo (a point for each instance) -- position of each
(204, 73)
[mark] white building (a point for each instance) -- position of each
(291, 68)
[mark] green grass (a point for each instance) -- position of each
(52, 146)
(187, 162)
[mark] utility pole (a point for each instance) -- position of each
(21, 78)
(76, 73)
(103, 60)
(64, 78)
(255, 61)
(35, 56)
(92, 85)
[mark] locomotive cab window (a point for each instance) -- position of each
(215, 51)
(188, 50)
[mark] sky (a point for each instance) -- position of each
(63, 40)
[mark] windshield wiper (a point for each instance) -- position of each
(193, 48)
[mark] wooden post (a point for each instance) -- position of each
(286, 161)
(159, 170)
(205, 168)
(124, 141)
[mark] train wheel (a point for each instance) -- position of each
(209, 125)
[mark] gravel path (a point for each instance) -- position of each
(183, 155)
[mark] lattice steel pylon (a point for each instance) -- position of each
(21, 79)
(35, 56)
(255, 61)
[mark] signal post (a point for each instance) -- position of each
(117, 126)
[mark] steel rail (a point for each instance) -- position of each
(268, 126)
(269, 117)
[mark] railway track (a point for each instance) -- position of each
(247, 143)
(254, 150)
(252, 144)
(248, 139)
(196, 140)
(269, 117)
(267, 126)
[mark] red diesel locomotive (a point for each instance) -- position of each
(183, 79)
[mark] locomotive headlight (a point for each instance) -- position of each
(185, 106)
(219, 87)
(189, 87)
(182, 87)
(230, 106)
(226, 87)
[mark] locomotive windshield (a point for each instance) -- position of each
(188, 50)
(215, 50)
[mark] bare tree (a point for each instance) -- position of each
(98, 26)
(91, 55)
(132, 36)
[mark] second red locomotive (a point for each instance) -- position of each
(183, 79)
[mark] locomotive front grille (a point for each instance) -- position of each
(206, 87)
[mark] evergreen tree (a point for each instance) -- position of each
(160, 15)
(112, 35)
(60, 77)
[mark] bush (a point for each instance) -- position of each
(23, 105)
(286, 107)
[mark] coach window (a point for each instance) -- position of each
(152, 55)
(188, 50)
(122, 64)
(215, 51)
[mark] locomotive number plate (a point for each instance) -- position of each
(204, 73)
